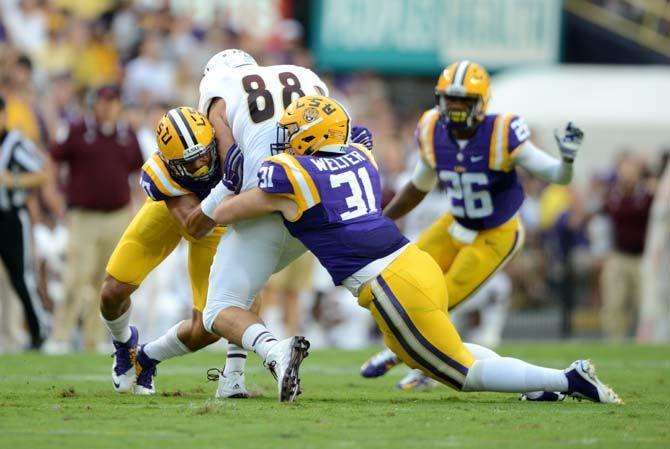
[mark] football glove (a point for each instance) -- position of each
(569, 141)
(233, 169)
(362, 135)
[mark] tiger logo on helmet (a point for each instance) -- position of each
(466, 82)
(313, 123)
(186, 144)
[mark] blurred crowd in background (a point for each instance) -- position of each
(69, 68)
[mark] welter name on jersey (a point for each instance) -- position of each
(338, 163)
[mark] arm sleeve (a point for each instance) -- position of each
(27, 156)
(424, 177)
(272, 178)
(542, 165)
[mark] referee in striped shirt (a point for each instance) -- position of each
(21, 168)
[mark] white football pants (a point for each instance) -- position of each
(247, 255)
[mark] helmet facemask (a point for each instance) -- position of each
(284, 134)
(179, 168)
(467, 115)
(313, 124)
(290, 137)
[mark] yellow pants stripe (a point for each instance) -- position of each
(410, 338)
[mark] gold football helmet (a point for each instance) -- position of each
(186, 143)
(311, 124)
(466, 84)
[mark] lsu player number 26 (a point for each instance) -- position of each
(328, 193)
(473, 155)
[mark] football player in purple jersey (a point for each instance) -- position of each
(474, 156)
(328, 193)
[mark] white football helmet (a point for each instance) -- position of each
(228, 59)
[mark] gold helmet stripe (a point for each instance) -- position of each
(459, 73)
(181, 127)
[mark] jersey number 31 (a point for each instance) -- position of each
(355, 203)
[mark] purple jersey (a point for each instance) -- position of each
(339, 202)
(480, 177)
(160, 185)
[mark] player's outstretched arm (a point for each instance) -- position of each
(404, 201)
(548, 168)
(253, 203)
(542, 165)
(186, 210)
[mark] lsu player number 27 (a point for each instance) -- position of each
(473, 155)
(186, 163)
(328, 193)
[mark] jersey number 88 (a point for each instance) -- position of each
(260, 102)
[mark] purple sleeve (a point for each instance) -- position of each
(518, 133)
(150, 188)
(272, 178)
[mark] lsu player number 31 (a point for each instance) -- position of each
(473, 155)
(329, 194)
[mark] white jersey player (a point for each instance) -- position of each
(244, 102)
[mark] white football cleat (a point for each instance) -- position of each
(416, 380)
(231, 386)
(584, 384)
(283, 361)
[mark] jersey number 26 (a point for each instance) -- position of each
(476, 203)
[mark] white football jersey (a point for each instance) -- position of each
(255, 99)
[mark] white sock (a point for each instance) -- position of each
(481, 352)
(259, 339)
(119, 328)
(166, 346)
(510, 375)
(236, 359)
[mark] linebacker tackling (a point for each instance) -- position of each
(185, 165)
(329, 195)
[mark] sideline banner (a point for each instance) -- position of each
(422, 36)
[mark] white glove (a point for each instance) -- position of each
(569, 141)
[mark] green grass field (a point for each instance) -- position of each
(67, 402)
